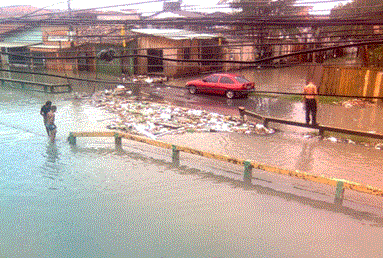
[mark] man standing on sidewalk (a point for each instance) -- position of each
(310, 102)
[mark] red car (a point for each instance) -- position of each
(228, 84)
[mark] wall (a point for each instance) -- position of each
(351, 81)
(174, 49)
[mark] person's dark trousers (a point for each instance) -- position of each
(310, 110)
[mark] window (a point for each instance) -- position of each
(212, 79)
(241, 79)
(155, 62)
(187, 53)
(226, 80)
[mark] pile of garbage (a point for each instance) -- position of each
(356, 103)
(152, 119)
(144, 79)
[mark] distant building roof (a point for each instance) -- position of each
(9, 28)
(175, 34)
(15, 44)
(175, 14)
(29, 11)
(26, 37)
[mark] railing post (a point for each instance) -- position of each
(247, 171)
(175, 156)
(117, 140)
(265, 122)
(321, 132)
(72, 139)
(241, 113)
(339, 193)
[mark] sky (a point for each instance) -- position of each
(208, 6)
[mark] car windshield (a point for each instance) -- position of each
(241, 79)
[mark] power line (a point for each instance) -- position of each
(373, 42)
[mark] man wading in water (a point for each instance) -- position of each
(51, 127)
(44, 111)
(310, 102)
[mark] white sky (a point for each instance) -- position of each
(153, 7)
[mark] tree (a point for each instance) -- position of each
(365, 10)
(266, 8)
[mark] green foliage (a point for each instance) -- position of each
(376, 55)
(266, 8)
(370, 10)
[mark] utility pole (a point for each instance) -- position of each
(69, 8)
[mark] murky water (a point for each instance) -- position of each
(95, 201)
(292, 80)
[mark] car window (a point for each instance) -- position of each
(226, 80)
(241, 79)
(212, 78)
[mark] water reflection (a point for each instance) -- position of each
(235, 180)
(262, 105)
(51, 167)
(305, 159)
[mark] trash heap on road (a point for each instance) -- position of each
(355, 103)
(154, 119)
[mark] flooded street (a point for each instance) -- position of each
(290, 147)
(291, 80)
(93, 200)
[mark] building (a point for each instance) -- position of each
(15, 45)
(175, 52)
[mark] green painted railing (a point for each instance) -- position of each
(339, 184)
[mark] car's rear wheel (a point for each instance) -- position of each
(192, 89)
(230, 94)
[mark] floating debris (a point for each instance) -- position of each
(379, 146)
(154, 119)
(356, 103)
(332, 139)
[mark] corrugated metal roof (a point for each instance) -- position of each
(15, 44)
(30, 36)
(176, 14)
(175, 34)
(47, 46)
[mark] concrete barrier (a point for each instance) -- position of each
(46, 87)
(321, 128)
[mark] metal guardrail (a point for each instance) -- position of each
(46, 87)
(340, 184)
(321, 128)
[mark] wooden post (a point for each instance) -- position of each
(241, 113)
(321, 132)
(339, 193)
(175, 156)
(265, 122)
